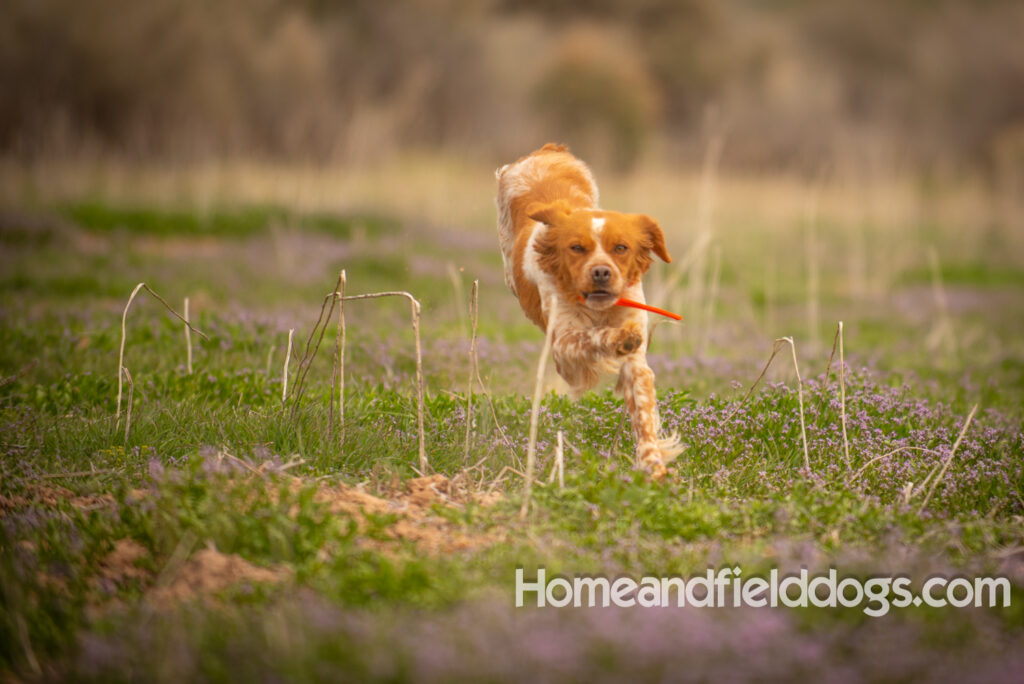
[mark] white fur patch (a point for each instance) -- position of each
(599, 257)
(531, 269)
(597, 224)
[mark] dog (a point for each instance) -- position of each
(568, 263)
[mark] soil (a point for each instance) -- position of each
(417, 523)
(208, 572)
(410, 516)
(51, 497)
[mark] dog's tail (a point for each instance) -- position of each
(670, 447)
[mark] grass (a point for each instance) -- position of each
(237, 223)
(891, 473)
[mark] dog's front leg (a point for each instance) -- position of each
(581, 354)
(636, 382)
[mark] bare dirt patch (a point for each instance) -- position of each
(203, 575)
(51, 497)
(413, 502)
(208, 572)
(122, 564)
(410, 515)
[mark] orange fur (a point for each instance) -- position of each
(560, 249)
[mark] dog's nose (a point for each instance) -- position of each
(600, 275)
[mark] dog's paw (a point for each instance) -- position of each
(653, 457)
(629, 340)
(655, 467)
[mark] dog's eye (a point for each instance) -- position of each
(621, 249)
(579, 249)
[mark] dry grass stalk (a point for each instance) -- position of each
(474, 310)
(311, 349)
(337, 297)
(948, 460)
(837, 343)
(560, 462)
(776, 347)
(120, 357)
(930, 475)
(414, 306)
(284, 373)
(341, 356)
(338, 377)
(415, 311)
(876, 459)
(800, 399)
(842, 394)
(499, 479)
(92, 472)
(494, 417)
(531, 449)
(832, 354)
(188, 341)
(775, 350)
(128, 412)
(124, 335)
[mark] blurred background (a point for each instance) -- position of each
(794, 85)
(810, 162)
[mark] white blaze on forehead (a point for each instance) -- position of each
(600, 256)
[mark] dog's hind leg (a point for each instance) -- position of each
(636, 383)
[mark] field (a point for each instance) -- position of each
(206, 524)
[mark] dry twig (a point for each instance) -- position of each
(124, 335)
(948, 460)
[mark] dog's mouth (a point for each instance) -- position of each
(599, 299)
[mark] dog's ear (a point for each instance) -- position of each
(654, 238)
(550, 213)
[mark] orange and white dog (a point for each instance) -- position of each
(568, 262)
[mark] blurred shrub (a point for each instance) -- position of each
(942, 79)
(190, 77)
(596, 96)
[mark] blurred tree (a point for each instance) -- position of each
(796, 83)
(597, 96)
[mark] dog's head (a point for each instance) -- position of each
(595, 254)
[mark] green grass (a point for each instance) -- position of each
(969, 274)
(231, 223)
(360, 596)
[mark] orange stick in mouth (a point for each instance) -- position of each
(622, 301)
(647, 307)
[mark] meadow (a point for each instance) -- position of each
(212, 524)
